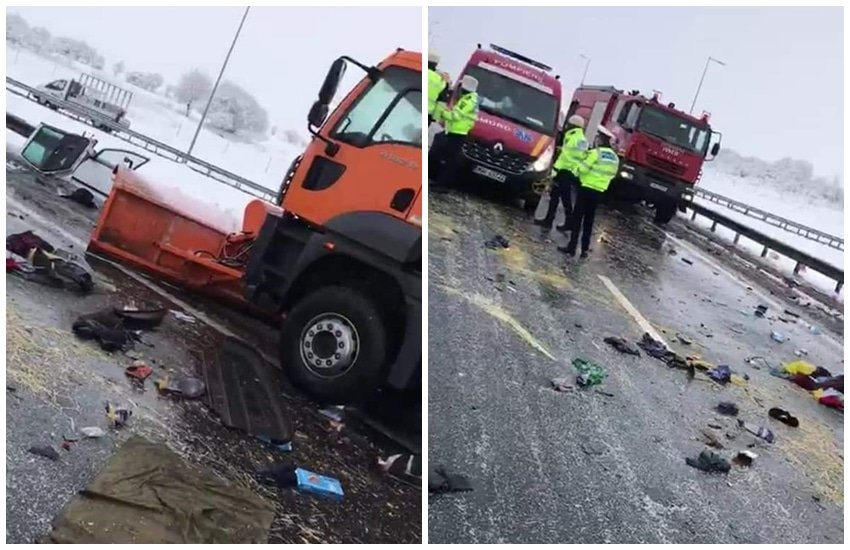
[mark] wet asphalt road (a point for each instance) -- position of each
(57, 380)
(584, 467)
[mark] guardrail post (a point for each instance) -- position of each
(764, 252)
(838, 286)
(797, 268)
(735, 240)
(714, 226)
(693, 215)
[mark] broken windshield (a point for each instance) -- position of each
(511, 99)
(674, 130)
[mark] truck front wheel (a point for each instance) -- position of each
(664, 211)
(334, 345)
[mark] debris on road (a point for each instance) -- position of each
(92, 432)
(727, 407)
(758, 431)
(562, 385)
(46, 451)
(720, 374)
(22, 243)
(777, 336)
(406, 468)
(687, 261)
(147, 484)
(317, 484)
(801, 352)
(185, 317)
(138, 371)
(710, 439)
(744, 458)
(831, 397)
(118, 416)
(761, 310)
(107, 328)
(80, 196)
(187, 387)
(279, 445)
(45, 264)
(621, 345)
(497, 242)
(783, 416)
(590, 374)
(441, 481)
(335, 413)
(683, 339)
(709, 461)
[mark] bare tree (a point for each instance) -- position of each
(193, 86)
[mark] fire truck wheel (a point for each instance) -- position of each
(334, 345)
(664, 212)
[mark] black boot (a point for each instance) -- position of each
(569, 251)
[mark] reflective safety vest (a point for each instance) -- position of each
(573, 151)
(598, 169)
(436, 85)
(461, 118)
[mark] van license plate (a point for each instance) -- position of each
(488, 173)
(658, 186)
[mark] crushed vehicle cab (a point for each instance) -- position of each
(337, 262)
(513, 141)
(661, 149)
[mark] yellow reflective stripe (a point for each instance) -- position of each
(542, 143)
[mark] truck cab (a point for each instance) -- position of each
(662, 149)
(513, 141)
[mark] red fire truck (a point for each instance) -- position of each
(662, 149)
(513, 141)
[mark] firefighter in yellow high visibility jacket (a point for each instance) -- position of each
(446, 155)
(573, 151)
(595, 173)
(437, 85)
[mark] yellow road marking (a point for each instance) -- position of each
(632, 310)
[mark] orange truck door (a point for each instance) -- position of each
(377, 166)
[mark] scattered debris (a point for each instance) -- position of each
(592, 448)
(285, 446)
(81, 196)
(710, 439)
(316, 484)
(709, 461)
(280, 475)
(672, 251)
(761, 310)
(720, 374)
(441, 481)
(777, 336)
(562, 385)
(590, 374)
(791, 313)
(118, 416)
(727, 407)
(578, 325)
(66, 444)
(605, 393)
(185, 317)
(46, 451)
(497, 241)
(814, 330)
(757, 358)
(801, 352)
(783, 416)
(335, 413)
(683, 339)
(12, 389)
(687, 261)
(92, 432)
(621, 345)
(745, 458)
(406, 468)
(187, 387)
(107, 328)
(138, 371)
(758, 431)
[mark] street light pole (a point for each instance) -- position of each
(699, 87)
(217, 81)
(586, 67)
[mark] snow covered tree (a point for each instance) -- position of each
(146, 81)
(193, 87)
(118, 68)
(17, 30)
(235, 110)
(40, 40)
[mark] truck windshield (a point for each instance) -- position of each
(674, 130)
(511, 99)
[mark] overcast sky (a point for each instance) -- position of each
(281, 57)
(780, 93)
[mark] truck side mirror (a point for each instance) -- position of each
(715, 149)
(332, 80)
(318, 113)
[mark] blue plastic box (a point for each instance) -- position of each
(316, 484)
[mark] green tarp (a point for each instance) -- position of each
(148, 494)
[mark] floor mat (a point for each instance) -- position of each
(148, 494)
(245, 391)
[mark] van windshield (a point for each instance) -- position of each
(511, 99)
(674, 130)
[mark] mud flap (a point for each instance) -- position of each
(246, 392)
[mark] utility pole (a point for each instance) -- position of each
(699, 87)
(217, 81)
(586, 67)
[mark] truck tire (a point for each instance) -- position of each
(530, 202)
(342, 330)
(664, 212)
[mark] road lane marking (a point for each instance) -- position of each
(502, 315)
(632, 310)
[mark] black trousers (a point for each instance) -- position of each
(582, 221)
(447, 148)
(562, 191)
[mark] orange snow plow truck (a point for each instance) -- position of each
(338, 259)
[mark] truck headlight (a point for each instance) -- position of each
(544, 160)
(626, 175)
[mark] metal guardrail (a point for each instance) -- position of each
(98, 121)
(770, 243)
(771, 219)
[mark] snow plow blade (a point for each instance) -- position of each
(174, 238)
